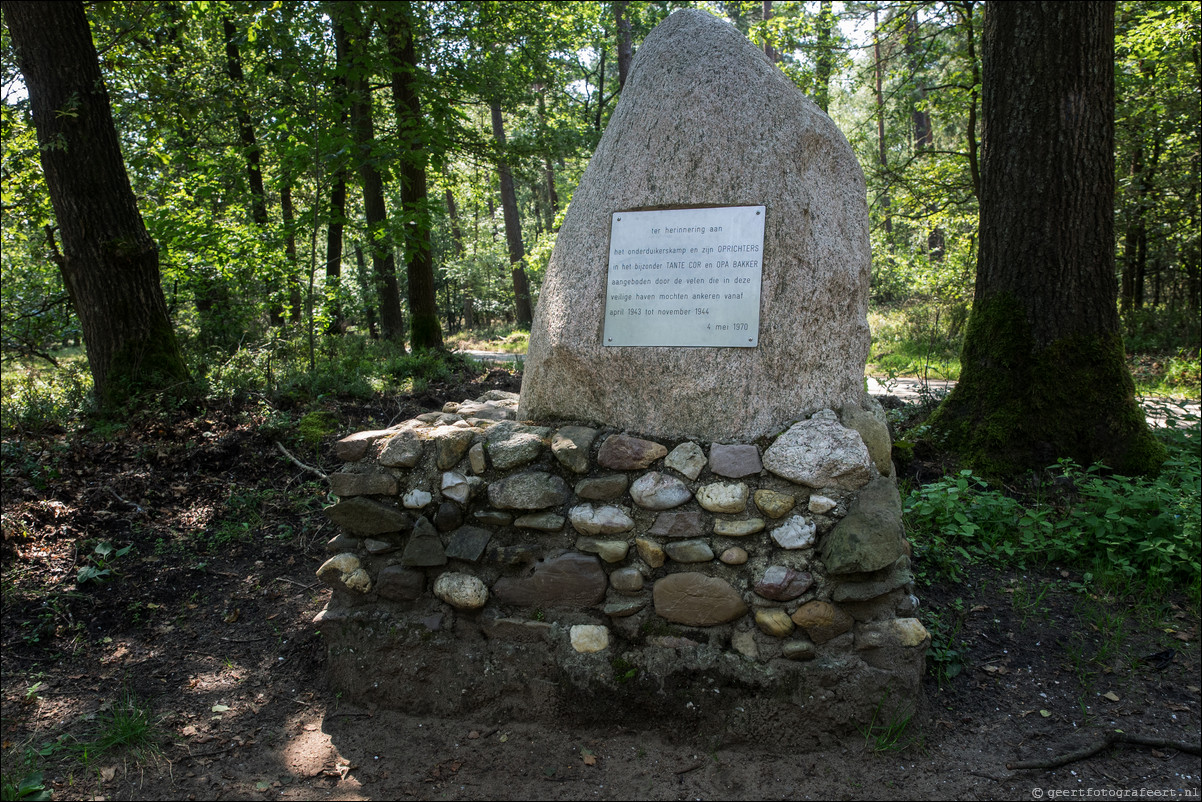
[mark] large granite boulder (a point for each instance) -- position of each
(720, 127)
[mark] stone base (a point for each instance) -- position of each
(568, 572)
(528, 671)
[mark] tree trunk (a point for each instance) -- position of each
(457, 251)
(369, 308)
(548, 170)
(379, 243)
(334, 253)
(878, 69)
(110, 264)
(337, 217)
(1043, 374)
(294, 285)
(625, 51)
(250, 149)
(769, 50)
(826, 56)
(424, 328)
(513, 226)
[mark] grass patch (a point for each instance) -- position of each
(504, 338)
(911, 341)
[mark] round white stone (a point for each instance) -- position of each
(416, 499)
(795, 533)
(588, 638)
(461, 591)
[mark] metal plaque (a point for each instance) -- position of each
(685, 277)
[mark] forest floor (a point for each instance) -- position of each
(198, 646)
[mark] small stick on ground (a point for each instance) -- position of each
(1109, 741)
(308, 468)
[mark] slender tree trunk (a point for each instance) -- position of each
(513, 225)
(246, 128)
(826, 56)
(625, 51)
(294, 285)
(924, 133)
(600, 92)
(548, 170)
(337, 216)
(457, 251)
(424, 328)
(1043, 371)
(250, 149)
(769, 50)
(109, 263)
(334, 234)
(974, 168)
(878, 69)
(392, 324)
(369, 306)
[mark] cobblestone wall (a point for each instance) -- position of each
(479, 556)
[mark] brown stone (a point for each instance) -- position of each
(404, 450)
(452, 443)
(822, 621)
(399, 583)
(571, 445)
(735, 462)
(621, 452)
(774, 504)
(345, 485)
(697, 600)
(603, 488)
(781, 583)
(774, 622)
(569, 580)
(367, 516)
(354, 447)
(679, 524)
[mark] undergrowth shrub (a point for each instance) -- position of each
(1121, 531)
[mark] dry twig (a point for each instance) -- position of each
(309, 468)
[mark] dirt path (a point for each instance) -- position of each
(206, 624)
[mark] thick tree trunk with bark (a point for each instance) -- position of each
(513, 226)
(1043, 370)
(109, 263)
(392, 324)
(424, 328)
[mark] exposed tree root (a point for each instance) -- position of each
(1109, 741)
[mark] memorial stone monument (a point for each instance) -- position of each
(706, 125)
(690, 515)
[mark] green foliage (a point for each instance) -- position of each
(502, 337)
(102, 558)
(948, 650)
(889, 729)
(22, 780)
(126, 725)
(39, 399)
(315, 426)
(910, 341)
(1138, 532)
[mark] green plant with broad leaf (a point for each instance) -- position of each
(102, 558)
